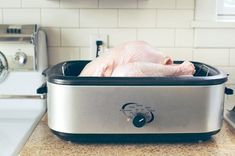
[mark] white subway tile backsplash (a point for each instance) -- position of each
(137, 18)
(231, 99)
(167, 4)
(218, 57)
(10, 3)
(174, 18)
(60, 17)
(21, 16)
(77, 37)
(117, 36)
(232, 57)
(98, 17)
(59, 54)
(215, 38)
(166, 24)
(117, 3)
(157, 37)
(184, 38)
(40, 3)
(79, 3)
(178, 53)
(85, 53)
(1, 18)
(185, 4)
(231, 72)
(53, 36)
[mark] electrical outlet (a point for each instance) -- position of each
(93, 46)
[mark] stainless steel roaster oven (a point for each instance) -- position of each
(133, 108)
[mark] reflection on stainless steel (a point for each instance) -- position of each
(23, 96)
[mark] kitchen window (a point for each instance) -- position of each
(226, 9)
(214, 14)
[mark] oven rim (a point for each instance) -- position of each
(55, 75)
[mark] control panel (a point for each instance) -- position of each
(138, 114)
(18, 44)
(19, 57)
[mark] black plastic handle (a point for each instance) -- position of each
(228, 91)
(42, 89)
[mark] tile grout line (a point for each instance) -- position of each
(136, 34)
(174, 37)
(193, 44)
(2, 16)
(194, 11)
(156, 18)
(79, 18)
(118, 18)
(60, 31)
(41, 16)
(166, 47)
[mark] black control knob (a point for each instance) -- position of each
(139, 120)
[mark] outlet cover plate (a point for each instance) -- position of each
(95, 37)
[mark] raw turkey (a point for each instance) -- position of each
(135, 59)
(142, 69)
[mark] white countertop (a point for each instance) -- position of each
(18, 118)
